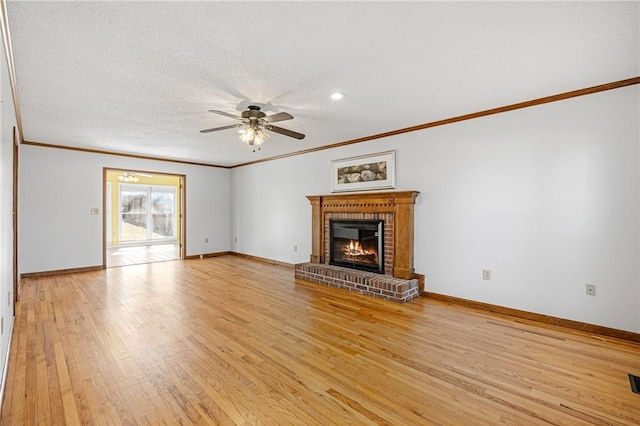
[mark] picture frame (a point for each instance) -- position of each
(364, 172)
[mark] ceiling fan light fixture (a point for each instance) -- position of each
(128, 178)
(254, 136)
(254, 125)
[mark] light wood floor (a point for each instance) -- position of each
(136, 255)
(232, 341)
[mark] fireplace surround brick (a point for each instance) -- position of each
(388, 233)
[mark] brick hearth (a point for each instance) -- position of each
(367, 283)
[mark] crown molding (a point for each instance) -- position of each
(512, 107)
(120, 154)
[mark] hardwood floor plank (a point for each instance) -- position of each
(231, 341)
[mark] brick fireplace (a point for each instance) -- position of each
(395, 208)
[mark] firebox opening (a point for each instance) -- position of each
(357, 244)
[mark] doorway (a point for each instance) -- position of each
(144, 220)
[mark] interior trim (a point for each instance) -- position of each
(183, 215)
(62, 271)
(245, 256)
(215, 254)
(512, 107)
(14, 214)
(104, 216)
(545, 319)
(120, 154)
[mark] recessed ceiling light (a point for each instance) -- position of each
(337, 96)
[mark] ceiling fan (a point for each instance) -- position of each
(256, 123)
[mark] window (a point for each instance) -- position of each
(147, 212)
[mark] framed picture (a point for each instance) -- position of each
(363, 173)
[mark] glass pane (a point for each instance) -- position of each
(134, 201)
(162, 202)
(163, 207)
(133, 209)
(134, 226)
(163, 226)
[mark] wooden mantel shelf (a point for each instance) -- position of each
(399, 203)
(376, 199)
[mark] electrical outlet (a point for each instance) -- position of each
(295, 248)
(486, 274)
(590, 289)
(206, 241)
(95, 211)
(236, 239)
(9, 299)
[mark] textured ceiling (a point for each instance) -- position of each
(139, 77)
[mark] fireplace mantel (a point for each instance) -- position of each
(398, 203)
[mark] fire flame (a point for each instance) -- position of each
(355, 252)
(355, 249)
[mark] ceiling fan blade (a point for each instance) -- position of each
(215, 129)
(285, 132)
(226, 114)
(281, 116)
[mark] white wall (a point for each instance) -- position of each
(7, 123)
(59, 187)
(270, 214)
(546, 197)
